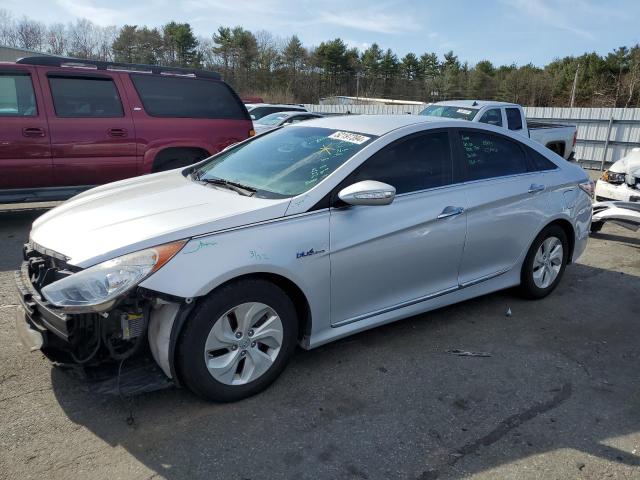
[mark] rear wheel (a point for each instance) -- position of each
(238, 340)
(545, 263)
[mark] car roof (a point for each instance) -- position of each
(371, 124)
(478, 103)
(293, 113)
(284, 105)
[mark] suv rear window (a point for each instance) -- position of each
(16, 95)
(187, 98)
(79, 97)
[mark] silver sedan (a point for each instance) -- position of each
(303, 235)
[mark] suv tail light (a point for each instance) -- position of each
(575, 137)
(588, 187)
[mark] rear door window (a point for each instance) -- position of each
(492, 117)
(487, 155)
(514, 119)
(416, 163)
(187, 98)
(16, 95)
(85, 97)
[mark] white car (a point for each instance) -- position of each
(301, 236)
(275, 120)
(259, 110)
(621, 181)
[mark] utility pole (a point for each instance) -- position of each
(357, 88)
(575, 84)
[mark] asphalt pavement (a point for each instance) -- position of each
(558, 397)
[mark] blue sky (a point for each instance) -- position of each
(503, 31)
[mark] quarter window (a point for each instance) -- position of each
(492, 117)
(514, 118)
(187, 98)
(417, 163)
(539, 162)
(85, 97)
(16, 96)
(487, 155)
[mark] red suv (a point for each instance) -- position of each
(67, 125)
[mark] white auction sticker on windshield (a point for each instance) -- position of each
(349, 137)
(462, 110)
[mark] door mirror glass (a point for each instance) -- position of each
(368, 192)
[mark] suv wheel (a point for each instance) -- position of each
(545, 263)
(237, 341)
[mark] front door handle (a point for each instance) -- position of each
(535, 188)
(117, 132)
(33, 132)
(450, 212)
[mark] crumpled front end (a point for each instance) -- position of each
(96, 344)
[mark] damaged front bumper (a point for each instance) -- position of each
(622, 192)
(139, 328)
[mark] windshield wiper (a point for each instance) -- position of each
(236, 187)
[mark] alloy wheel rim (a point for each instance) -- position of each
(243, 343)
(547, 262)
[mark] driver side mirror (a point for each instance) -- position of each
(368, 192)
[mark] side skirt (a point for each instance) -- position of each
(330, 333)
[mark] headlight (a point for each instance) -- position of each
(613, 177)
(96, 288)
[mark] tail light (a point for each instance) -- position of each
(588, 187)
(575, 138)
(252, 133)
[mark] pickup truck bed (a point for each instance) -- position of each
(533, 125)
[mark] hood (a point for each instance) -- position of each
(629, 164)
(137, 213)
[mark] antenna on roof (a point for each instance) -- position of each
(474, 104)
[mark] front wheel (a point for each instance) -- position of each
(237, 341)
(545, 263)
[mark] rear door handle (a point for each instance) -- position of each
(535, 188)
(33, 132)
(117, 132)
(450, 212)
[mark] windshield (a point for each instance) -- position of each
(272, 119)
(449, 112)
(285, 162)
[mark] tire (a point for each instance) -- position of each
(596, 226)
(533, 282)
(209, 340)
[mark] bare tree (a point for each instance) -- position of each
(8, 31)
(31, 34)
(83, 41)
(57, 41)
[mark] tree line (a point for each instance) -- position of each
(284, 70)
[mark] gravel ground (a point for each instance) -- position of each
(559, 397)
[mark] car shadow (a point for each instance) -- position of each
(395, 402)
(617, 238)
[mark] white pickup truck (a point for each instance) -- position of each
(559, 138)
